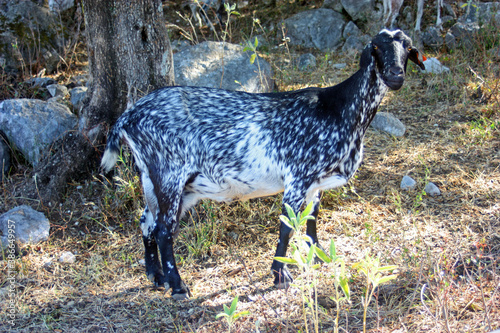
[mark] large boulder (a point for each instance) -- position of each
(367, 14)
(222, 65)
(318, 28)
(32, 125)
(29, 35)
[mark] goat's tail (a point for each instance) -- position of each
(112, 151)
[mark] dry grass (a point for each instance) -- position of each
(447, 248)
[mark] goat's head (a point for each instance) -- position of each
(390, 50)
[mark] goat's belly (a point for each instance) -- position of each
(230, 189)
(328, 183)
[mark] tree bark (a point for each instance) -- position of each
(129, 55)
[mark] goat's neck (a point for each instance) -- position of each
(369, 93)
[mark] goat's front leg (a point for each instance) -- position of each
(311, 224)
(282, 277)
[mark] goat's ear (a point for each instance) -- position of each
(415, 56)
(366, 55)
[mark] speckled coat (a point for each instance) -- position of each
(193, 143)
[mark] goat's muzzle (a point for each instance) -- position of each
(395, 77)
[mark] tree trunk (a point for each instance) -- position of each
(129, 55)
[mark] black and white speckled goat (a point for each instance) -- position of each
(193, 143)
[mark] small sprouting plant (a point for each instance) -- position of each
(230, 313)
(371, 268)
(340, 279)
(304, 252)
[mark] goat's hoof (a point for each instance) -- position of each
(282, 279)
(180, 297)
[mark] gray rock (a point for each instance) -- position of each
(464, 33)
(495, 52)
(358, 9)
(336, 5)
(41, 82)
(434, 66)
(384, 121)
(340, 65)
(352, 46)
(30, 226)
(351, 29)
(4, 157)
(307, 60)
(19, 47)
(407, 183)
(450, 40)
(319, 28)
(67, 258)
(481, 13)
(60, 5)
(367, 14)
(32, 125)
(432, 38)
(432, 190)
(57, 90)
(78, 96)
(80, 80)
(201, 65)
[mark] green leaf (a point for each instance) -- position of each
(256, 43)
(252, 58)
(322, 255)
(344, 285)
(291, 213)
(317, 266)
(310, 254)
(387, 279)
(333, 251)
(286, 221)
(241, 314)
(387, 268)
(308, 209)
(234, 303)
(222, 314)
(286, 260)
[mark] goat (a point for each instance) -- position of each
(193, 143)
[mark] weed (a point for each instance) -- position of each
(372, 270)
(230, 313)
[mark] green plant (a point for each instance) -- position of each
(371, 268)
(340, 279)
(230, 313)
(304, 252)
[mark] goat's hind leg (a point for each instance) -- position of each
(153, 266)
(169, 192)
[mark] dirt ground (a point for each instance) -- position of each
(446, 248)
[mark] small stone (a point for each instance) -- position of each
(339, 66)
(67, 258)
(306, 61)
(432, 190)
(386, 122)
(57, 90)
(432, 65)
(407, 183)
(142, 262)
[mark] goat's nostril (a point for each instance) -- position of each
(396, 71)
